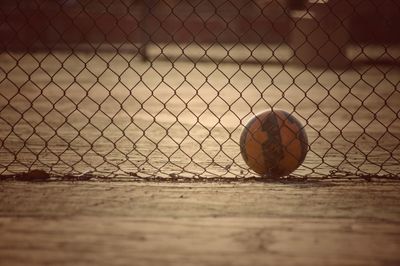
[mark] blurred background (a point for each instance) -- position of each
(65, 24)
(124, 87)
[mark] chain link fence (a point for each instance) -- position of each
(123, 88)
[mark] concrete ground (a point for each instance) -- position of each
(327, 222)
(113, 114)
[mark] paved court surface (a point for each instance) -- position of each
(109, 113)
(254, 223)
(183, 112)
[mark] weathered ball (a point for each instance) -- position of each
(273, 143)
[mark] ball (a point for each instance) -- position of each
(273, 143)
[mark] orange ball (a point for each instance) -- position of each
(273, 143)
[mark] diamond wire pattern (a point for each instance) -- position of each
(164, 88)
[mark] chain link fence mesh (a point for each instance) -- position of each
(164, 88)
